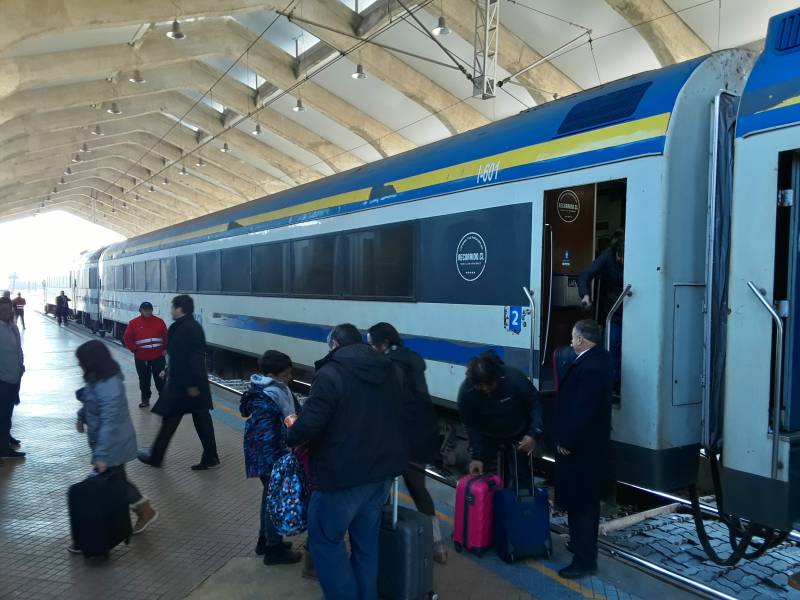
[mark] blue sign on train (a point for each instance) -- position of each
(515, 319)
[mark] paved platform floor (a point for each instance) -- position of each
(202, 545)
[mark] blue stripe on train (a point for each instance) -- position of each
(441, 350)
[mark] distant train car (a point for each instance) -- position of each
(86, 290)
(474, 243)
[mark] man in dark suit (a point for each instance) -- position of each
(583, 428)
(187, 390)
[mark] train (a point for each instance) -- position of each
(475, 243)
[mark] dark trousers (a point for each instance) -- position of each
(267, 530)
(147, 369)
(331, 515)
(205, 431)
(63, 315)
(583, 526)
(415, 482)
(20, 315)
(9, 397)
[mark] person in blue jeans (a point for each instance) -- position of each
(352, 421)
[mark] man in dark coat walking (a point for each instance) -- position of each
(62, 308)
(350, 421)
(187, 390)
(583, 429)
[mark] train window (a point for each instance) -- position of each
(382, 261)
(127, 277)
(118, 277)
(187, 279)
(208, 272)
(236, 270)
(139, 276)
(169, 275)
(153, 276)
(268, 268)
(312, 266)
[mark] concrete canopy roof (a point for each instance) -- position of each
(64, 64)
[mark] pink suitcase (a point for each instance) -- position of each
(472, 526)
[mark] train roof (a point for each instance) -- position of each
(771, 97)
(620, 120)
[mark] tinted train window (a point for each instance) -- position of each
(139, 277)
(93, 278)
(236, 270)
(127, 277)
(169, 275)
(153, 276)
(187, 281)
(382, 262)
(312, 266)
(208, 275)
(268, 262)
(118, 278)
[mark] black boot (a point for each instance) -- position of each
(280, 555)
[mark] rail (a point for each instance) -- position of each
(614, 309)
(778, 376)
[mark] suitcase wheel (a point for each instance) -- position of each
(477, 552)
(458, 547)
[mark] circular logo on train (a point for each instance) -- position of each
(568, 206)
(471, 256)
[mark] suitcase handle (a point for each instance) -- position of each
(516, 472)
(395, 493)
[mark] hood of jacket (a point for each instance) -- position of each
(360, 361)
(271, 392)
(407, 358)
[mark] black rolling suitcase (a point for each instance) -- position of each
(405, 570)
(98, 513)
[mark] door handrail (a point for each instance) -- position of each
(529, 295)
(778, 376)
(549, 298)
(614, 308)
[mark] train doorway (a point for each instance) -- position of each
(580, 223)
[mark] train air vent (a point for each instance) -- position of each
(788, 32)
(604, 110)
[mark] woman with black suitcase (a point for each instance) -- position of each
(106, 420)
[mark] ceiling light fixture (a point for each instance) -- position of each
(62, 181)
(152, 188)
(175, 33)
(257, 130)
(200, 162)
(85, 148)
(442, 28)
(97, 131)
(114, 109)
(77, 158)
(55, 190)
(136, 197)
(166, 181)
(137, 77)
(359, 73)
(184, 172)
(124, 205)
(299, 107)
(225, 148)
(68, 171)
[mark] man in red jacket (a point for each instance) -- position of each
(146, 337)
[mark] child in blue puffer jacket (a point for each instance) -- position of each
(269, 406)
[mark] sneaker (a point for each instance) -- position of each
(144, 403)
(14, 443)
(147, 515)
(281, 556)
(72, 549)
(10, 453)
(145, 457)
(204, 466)
(261, 545)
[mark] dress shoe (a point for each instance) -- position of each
(12, 454)
(261, 545)
(144, 403)
(574, 571)
(14, 443)
(145, 457)
(205, 466)
(794, 580)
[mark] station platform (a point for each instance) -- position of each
(202, 545)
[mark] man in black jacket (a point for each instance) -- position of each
(350, 422)
(187, 390)
(422, 431)
(499, 406)
(608, 269)
(62, 308)
(583, 428)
